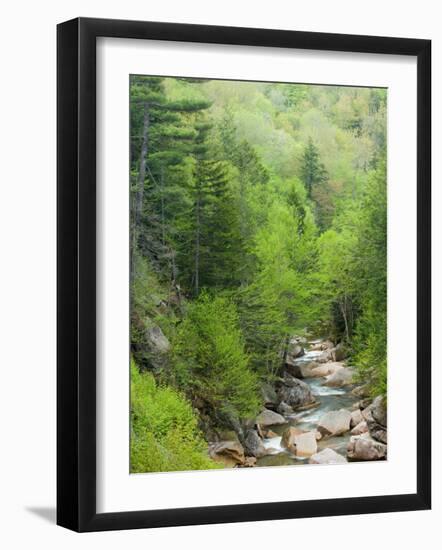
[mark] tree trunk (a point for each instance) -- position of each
(163, 223)
(197, 241)
(344, 315)
(242, 223)
(138, 206)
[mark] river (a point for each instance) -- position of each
(330, 399)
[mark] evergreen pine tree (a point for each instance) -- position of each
(160, 133)
(313, 171)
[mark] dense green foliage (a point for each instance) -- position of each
(257, 211)
(165, 436)
(210, 358)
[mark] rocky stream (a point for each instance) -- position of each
(314, 414)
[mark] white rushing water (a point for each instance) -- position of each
(273, 445)
(309, 356)
(318, 389)
(310, 416)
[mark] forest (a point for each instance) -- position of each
(258, 274)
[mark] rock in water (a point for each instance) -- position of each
(335, 422)
(362, 404)
(360, 428)
(320, 371)
(325, 356)
(270, 418)
(284, 409)
(299, 368)
(327, 456)
(326, 369)
(295, 393)
(305, 444)
(363, 447)
(296, 351)
(288, 438)
(230, 453)
(356, 418)
(254, 445)
(342, 377)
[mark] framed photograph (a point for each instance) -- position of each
(243, 274)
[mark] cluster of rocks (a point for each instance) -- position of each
(330, 352)
(366, 423)
(336, 374)
(289, 393)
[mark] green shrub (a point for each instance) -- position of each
(164, 429)
(210, 358)
(371, 350)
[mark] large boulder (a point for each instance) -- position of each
(300, 368)
(320, 371)
(326, 369)
(295, 392)
(341, 377)
(379, 410)
(362, 404)
(294, 350)
(376, 417)
(360, 428)
(327, 456)
(253, 444)
(270, 418)
(335, 422)
(305, 444)
(156, 340)
(356, 418)
(230, 453)
(363, 447)
(269, 396)
(377, 431)
(288, 438)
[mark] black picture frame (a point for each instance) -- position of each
(76, 274)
